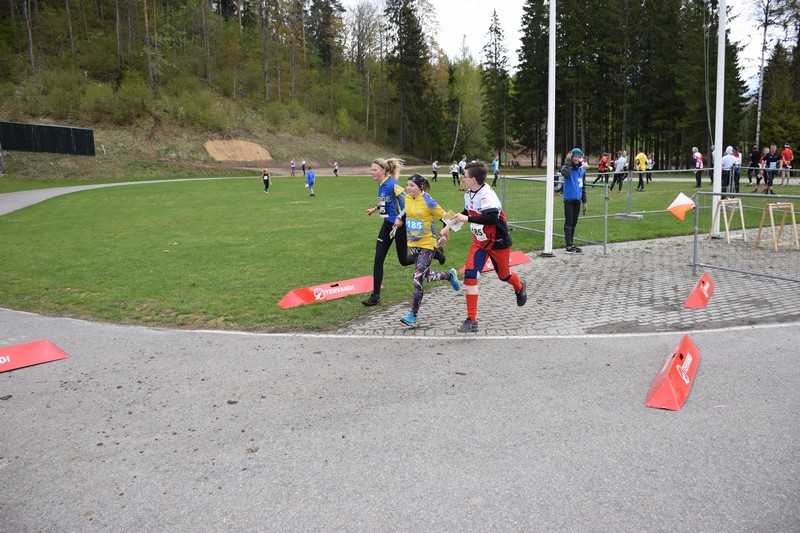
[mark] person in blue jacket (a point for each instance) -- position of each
(574, 191)
(310, 181)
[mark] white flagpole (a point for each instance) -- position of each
(718, 121)
(551, 136)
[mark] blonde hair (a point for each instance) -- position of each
(392, 166)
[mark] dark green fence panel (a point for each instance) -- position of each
(46, 138)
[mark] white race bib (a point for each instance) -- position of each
(477, 230)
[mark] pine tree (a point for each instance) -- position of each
(408, 63)
(495, 87)
(529, 91)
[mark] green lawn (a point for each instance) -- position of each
(221, 253)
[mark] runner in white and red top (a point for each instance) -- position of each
(490, 239)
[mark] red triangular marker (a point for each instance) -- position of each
(699, 297)
(29, 354)
(673, 382)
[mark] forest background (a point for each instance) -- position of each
(311, 77)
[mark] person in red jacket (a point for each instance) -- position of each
(786, 164)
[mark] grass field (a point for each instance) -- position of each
(221, 253)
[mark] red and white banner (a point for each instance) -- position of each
(329, 291)
(29, 354)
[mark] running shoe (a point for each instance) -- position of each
(454, 279)
(469, 326)
(409, 320)
(522, 295)
(373, 299)
(438, 254)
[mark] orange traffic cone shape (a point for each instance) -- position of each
(680, 206)
(698, 299)
(672, 383)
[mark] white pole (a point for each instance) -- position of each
(551, 137)
(719, 114)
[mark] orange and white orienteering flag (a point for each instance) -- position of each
(681, 206)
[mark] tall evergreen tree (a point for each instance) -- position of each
(408, 63)
(495, 87)
(529, 92)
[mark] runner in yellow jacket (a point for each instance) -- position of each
(419, 215)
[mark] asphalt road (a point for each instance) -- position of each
(163, 430)
(144, 429)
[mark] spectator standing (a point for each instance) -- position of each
(495, 170)
(574, 191)
(619, 170)
(650, 164)
(762, 163)
(772, 162)
(435, 170)
(303, 166)
(737, 168)
(728, 163)
(640, 162)
(754, 158)
(786, 164)
(454, 172)
(697, 157)
(462, 169)
(293, 166)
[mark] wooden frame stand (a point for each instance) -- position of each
(727, 216)
(787, 209)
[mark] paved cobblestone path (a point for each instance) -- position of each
(637, 287)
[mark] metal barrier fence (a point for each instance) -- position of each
(755, 234)
(523, 201)
(611, 211)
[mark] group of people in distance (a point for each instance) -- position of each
(763, 164)
(408, 220)
(308, 173)
(618, 167)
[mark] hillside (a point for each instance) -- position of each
(157, 145)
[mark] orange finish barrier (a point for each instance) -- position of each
(328, 291)
(673, 382)
(29, 354)
(699, 297)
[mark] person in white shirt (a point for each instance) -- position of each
(619, 170)
(697, 158)
(728, 162)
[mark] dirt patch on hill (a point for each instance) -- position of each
(236, 151)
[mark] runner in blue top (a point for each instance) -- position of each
(310, 181)
(391, 198)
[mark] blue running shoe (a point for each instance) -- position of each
(409, 320)
(454, 279)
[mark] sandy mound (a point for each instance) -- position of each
(236, 151)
